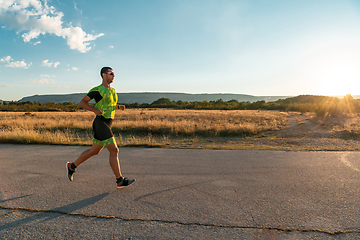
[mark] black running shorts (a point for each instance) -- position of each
(102, 131)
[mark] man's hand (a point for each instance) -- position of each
(121, 107)
(98, 112)
(84, 103)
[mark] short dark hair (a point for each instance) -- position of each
(105, 70)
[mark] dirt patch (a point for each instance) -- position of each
(301, 127)
(310, 133)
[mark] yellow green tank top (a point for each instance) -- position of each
(105, 100)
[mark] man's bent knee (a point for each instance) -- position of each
(113, 149)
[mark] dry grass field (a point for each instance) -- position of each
(219, 129)
(134, 125)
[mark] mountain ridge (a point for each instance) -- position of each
(149, 97)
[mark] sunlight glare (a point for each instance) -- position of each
(339, 76)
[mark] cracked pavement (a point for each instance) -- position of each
(179, 194)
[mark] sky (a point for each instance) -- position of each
(255, 47)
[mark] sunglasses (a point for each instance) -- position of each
(111, 73)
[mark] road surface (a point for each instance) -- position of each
(179, 194)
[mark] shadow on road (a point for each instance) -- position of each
(11, 199)
(46, 216)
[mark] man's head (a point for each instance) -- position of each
(107, 75)
(105, 70)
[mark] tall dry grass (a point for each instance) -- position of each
(45, 127)
(137, 125)
(206, 123)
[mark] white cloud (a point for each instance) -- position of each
(5, 59)
(36, 18)
(45, 75)
(46, 63)
(111, 47)
(59, 87)
(14, 64)
(18, 64)
(39, 81)
(44, 79)
(37, 43)
(4, 85)
(72, 68)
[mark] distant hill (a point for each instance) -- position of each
(312, 99)
(149, 97)
(306, 99)
(56, 98)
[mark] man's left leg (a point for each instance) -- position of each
(114, 159)
(115, 166)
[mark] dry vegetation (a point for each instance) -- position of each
(226, 129)
(208, 123)
(142, 126)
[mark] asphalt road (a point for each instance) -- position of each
(179, 194)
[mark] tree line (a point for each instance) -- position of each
(321, 105)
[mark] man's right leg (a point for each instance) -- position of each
(94, 150)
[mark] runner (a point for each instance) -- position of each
(105, 105)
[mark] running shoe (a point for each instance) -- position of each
(124, 182)
(70, 171)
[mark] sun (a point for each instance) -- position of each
(338, 73)
(340, 79)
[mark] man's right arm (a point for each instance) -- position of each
(84, 103)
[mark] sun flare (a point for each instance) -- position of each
(339, 75)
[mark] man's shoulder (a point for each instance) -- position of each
(96, 88)
(102, 89)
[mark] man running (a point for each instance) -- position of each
(105, 106)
